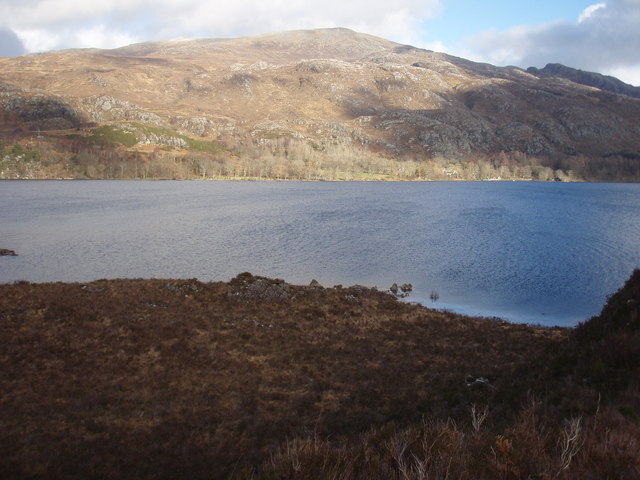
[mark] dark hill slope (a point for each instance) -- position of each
(598, 365)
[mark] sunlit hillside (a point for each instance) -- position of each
(321, 104)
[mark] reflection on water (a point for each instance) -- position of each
(536, 252)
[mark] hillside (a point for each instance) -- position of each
(257, 378)
(306, 104)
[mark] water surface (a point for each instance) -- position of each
(548, 253)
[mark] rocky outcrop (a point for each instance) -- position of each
(105, 108)
(259, 289)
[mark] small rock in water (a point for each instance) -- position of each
(406, 287)
(7, 253)
(394, 288)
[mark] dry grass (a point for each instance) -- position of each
(256, 378)
(534, 447)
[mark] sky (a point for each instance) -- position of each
(601, 36)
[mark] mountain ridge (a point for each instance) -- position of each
(590, 79)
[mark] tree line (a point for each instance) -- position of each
(286, 158)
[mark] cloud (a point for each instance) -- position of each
(100, 36)
(589, 11)
(10, 44)
(630, 75)
(55, 24)
(604, 38)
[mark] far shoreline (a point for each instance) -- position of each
(302, 180)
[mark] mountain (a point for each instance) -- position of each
(321, 104)
(591, 79)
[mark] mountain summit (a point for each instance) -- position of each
(331, 92)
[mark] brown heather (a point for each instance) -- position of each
(256, 378)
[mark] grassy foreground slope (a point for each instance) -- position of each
(256, 378)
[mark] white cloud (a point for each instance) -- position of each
(589, 11)
(98, 36)
(53, 24)
(436, 46)
(628, 74)
(397, 20)
(46, 13)
(101, 37)
(38, 40)
(604, 39)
